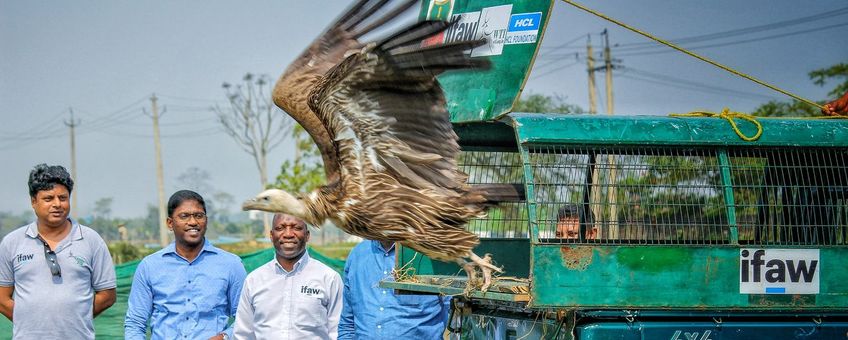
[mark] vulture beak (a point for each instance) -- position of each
(252, 204)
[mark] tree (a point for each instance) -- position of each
(195, 179)
(254, 122)
(305, 172)
(103, 207)
(837, 71)
(796, 108)
(534, 102)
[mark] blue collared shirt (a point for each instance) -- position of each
(182, 299)
(372, 312)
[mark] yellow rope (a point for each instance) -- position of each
(728, 69)
(729, 116)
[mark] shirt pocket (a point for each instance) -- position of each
(417, 302)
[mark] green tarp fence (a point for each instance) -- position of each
(110, 324)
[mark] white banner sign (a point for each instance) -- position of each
(779, 271)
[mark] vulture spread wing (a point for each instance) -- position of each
(387, 111)
(341, 38)
(379, 118)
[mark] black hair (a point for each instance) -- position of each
(44, 177)
(568, 210)
(181, 196)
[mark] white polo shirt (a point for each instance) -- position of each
(305, 303)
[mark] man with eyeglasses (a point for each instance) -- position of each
(60, 272)
(189, 289)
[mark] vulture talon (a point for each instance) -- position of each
(486, 267)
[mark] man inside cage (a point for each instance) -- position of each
(568, 223)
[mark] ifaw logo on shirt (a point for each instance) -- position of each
(309, 291)
(24, 258)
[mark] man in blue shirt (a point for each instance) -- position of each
(189, 289)
(372, 312)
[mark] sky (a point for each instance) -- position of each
(104, 60)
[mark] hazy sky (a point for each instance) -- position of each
(105, 58)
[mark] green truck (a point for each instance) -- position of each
(684, 229)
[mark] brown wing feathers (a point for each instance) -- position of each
(301, 77)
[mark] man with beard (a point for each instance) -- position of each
(189, 289)
(60, 272)
(293, 296)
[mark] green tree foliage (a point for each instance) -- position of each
(534, 102)
(820, 77)
(306, 171)
(838, 71)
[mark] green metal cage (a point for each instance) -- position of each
(673, 216)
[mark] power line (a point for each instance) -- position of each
(640, 75)
(782, 35)
(188, 98)
(741, 31)
(536, 73)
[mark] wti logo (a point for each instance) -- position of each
(779, 271)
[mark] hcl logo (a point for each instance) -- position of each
(525, 22)
(779, 271)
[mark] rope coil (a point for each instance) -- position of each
(728, 115)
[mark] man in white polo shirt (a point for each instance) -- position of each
(293, 296)
(59, 272)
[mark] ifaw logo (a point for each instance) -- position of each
(309, 291)
(779, 271)
(691, 335)
(24, 258)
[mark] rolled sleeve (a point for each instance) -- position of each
(237, 276)
(139, 306)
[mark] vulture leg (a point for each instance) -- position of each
(486, 267)
(471, 271)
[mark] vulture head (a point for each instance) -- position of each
(276, 201)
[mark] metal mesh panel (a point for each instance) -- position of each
(791, 196)
(508, 219)
(629, 196)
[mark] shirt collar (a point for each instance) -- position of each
(75, 233)
(379, 247)
(297, 265)
(207, 246)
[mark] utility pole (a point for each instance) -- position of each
(612, 192)
(72, 124)
(595, 194)
(590, 60)
(160, 178)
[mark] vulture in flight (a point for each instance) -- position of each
(378, 115)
